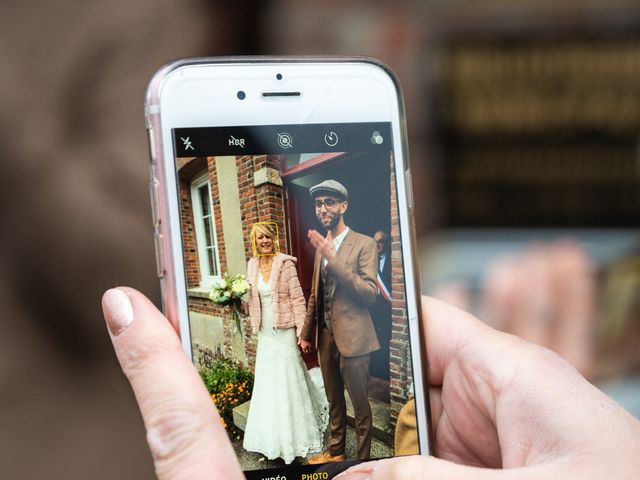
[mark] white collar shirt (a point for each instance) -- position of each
(382, 260)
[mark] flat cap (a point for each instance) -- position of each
(329, 187)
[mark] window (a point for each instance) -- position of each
(205, 227)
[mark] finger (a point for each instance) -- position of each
(184, 432)
(455, 335)
(534, 313)
(574, 288)
(423, 467)
(315, 238)
(318, 237)
(477, 361)
(329, 236)
(499, 288)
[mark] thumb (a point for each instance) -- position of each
(426, 467)
(184, 433)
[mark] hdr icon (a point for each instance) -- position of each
(236, 142)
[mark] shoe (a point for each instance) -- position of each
(325, 457)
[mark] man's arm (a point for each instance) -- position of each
(363, 284)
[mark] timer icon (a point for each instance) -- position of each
(331, 139)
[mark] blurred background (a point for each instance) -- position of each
(524, 122)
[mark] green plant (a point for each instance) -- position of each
(228, 382)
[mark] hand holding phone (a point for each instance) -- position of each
(480, 419)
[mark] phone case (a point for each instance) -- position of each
(159, 197)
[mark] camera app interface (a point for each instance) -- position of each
(296, 292)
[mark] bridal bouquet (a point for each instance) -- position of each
(230, 291)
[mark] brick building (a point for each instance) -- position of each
(220, 199)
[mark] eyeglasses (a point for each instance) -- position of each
(327, 202)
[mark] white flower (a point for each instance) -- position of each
(240, 287)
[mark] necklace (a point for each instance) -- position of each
(267, 267)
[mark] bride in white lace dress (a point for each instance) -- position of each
(288, 413)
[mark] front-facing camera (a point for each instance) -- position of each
(241, 95)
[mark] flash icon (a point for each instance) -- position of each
(187, 143)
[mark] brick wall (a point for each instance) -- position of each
(189, 245)
(262, 203)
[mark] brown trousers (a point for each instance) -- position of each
(352, 373)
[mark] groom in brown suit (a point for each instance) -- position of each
(338, 320)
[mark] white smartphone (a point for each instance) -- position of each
(282, 208)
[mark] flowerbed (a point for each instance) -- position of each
(229, 384)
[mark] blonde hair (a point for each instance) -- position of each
(270, 229)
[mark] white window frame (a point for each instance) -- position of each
(206, 277)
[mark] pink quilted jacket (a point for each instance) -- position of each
(289, 306)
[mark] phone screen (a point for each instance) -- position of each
(296, 292)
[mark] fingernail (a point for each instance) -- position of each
(118, 311)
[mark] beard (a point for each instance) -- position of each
(330, 220)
